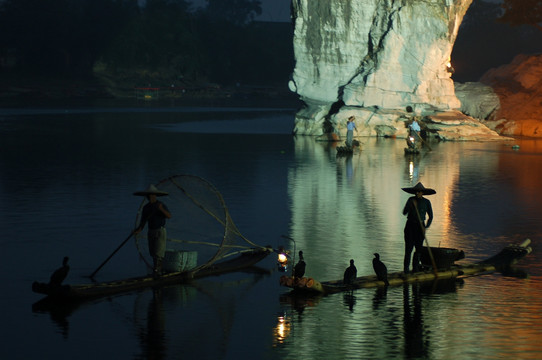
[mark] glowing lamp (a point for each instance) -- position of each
(450, 68)
(282, 262)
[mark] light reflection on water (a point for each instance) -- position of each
(66, 183)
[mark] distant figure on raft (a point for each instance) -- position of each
(413, 138)
(155, 214)
(350, 127)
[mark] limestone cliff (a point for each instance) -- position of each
(518, 86)
(373, 58)
(507, 99)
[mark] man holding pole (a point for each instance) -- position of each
(154, 214)
(350, 127)
(416, 209)
(414, 126)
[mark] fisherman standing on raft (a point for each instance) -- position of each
(155, 214)
(416, 209)
(350, 127)
(413, 134)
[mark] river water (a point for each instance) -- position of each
(67, 175)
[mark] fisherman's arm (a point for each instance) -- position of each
(164, 210)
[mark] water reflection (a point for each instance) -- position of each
(162, 317)
(397, 322)
(413, 167)
(58, 312)
(152, 337)
(288, 320)
(417, 331)
(379, 297)
(337, 208)
(416, 342)
(350, 206)
(363, 201)
(282, 329)
(349, 300)
(299, 301)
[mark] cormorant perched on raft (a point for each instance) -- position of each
(380, 269)
(299, 268)
(350, 274)
(60, 274)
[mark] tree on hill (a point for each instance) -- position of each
(238, 12)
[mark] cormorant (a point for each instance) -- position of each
(60, 274)
(380, 269)
(299, 268)
(350, 273)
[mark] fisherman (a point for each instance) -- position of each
(414, 126)
(155, 214)
(350, 127)
(416, 209)
(414, 134)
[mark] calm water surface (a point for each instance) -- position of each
(66, 181)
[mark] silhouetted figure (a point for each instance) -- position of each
(416, 209)
(155, 213)
(60, 274)
(350, 274)
(380, 269)
(299, 268)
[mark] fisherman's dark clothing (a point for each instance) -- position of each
(414, 229)
(156, 234)
(153, 216)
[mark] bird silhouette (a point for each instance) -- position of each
(299, 268)
(350, 273)
(60, 274)
(380, 269)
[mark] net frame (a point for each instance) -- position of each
(203, 199)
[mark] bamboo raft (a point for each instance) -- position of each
(411, 151)
(500, 262)
(345, 150)
(96, 290)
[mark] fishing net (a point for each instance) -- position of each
(200, 231)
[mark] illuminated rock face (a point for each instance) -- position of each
(373, 58)
(518, 86)
(508, 98)
(477, 100)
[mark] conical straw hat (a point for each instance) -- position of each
(419, 187)
(151, 190)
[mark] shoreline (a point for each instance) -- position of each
(46, 92)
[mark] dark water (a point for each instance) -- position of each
(66, 181)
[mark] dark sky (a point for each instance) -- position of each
(272, 10)
(275, 10)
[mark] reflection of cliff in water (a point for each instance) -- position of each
(356, 201)
(510, 181)
(380, 323)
